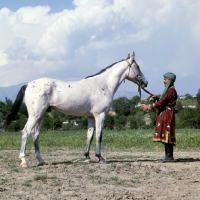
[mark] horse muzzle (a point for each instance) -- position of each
(143, 84)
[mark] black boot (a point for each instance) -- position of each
(168, 153)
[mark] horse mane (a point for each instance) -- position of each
(103, 70)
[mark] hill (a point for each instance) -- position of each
(10, 92)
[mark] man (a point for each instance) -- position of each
(165, 122)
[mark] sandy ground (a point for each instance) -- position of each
(126, 175)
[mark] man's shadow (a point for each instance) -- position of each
(184, 160)
(187, 160)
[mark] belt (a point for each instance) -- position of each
(169, 108)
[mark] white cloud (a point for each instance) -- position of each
(163, 33)
(3, 58)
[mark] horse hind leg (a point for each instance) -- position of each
(22, 155)
(35, 136)
(25, 135)
(90, 133)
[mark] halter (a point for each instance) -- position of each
(136, 75)
(129, 65)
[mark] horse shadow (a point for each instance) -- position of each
(178, 160)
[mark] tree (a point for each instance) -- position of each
(133, 109)
(179, 106)
(57, 124)
(198, 97)
(188, 96)
(132, 122)
(109, 122)
(120, 122)
(47, 122)
(198, 115)
(153, 116)
(140, 120)
(188, 118)
(83, 122)
(135, 100)
(121, 106)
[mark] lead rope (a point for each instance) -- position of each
(147, 92)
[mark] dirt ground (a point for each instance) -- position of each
(126, 175)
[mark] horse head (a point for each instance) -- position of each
(134, 73)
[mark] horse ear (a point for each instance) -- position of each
(133, 55)
(128, 56)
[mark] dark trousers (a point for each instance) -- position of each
(169, 148)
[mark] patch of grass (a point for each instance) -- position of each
(27, 183)
(90, 171)
(40, 178)
(3, 181)
(94, 177)
(43, 177)
(15, 170)
(127, 140)
(135, 180)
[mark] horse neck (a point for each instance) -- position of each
(115, 76)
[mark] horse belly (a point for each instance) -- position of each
(72, 103)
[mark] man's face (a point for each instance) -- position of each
(165, 81)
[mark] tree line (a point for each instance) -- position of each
(125, 114)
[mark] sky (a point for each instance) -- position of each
(72, 39)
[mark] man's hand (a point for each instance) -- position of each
(144, 108)
(154, 98)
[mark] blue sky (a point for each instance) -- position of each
(70, 40)
(55, 5)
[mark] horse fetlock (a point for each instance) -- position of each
(21, 155)
(86, 154)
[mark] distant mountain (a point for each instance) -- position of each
(10, 92)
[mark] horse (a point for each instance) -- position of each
(91, 97)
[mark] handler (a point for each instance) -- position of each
(165, 122)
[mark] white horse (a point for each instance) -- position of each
(91, 97)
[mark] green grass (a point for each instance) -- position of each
(129, 140)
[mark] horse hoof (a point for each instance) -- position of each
(88, 160)
(102, 162)
(41, 164)
(23, 165)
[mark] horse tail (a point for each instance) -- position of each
(16, 106)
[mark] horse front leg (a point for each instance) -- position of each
(99, 127)
(90, 133)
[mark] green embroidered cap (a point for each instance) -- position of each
(170, 76)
